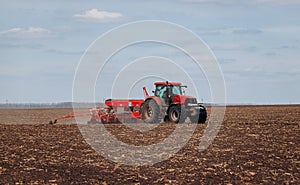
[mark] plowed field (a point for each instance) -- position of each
(255, 145)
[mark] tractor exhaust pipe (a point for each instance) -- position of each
(145, 92)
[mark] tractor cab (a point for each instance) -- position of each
(166, 91)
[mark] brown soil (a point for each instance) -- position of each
(256, 145)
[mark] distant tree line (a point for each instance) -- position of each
(49, 105)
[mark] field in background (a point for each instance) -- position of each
(256, 144)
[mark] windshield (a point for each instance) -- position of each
(161, 90)
(176, 90)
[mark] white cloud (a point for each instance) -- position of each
(31, 32)
(94, 15)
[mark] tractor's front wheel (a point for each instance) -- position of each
(176, 114)
(200, 116)
(150, 111)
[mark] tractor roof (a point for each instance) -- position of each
(165, 83)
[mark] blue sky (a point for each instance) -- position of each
(256, 43)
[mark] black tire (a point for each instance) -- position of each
(103, 121)
(166, 119)
(150, 112)
(176, 114)
(200, 116)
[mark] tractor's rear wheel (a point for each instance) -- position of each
(200, 116)
(176, 114)
(150, 111)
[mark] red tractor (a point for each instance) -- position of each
(170, 104)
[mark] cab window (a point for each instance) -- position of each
(160, 90)
(176, 90)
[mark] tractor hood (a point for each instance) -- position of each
(182, 99)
